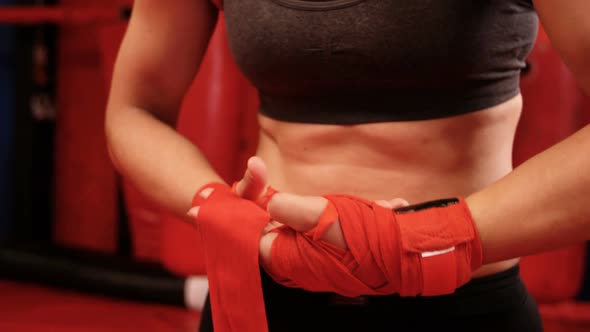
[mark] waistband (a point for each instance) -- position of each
(494, 293)
(500, 292)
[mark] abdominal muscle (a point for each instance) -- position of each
(417, 160)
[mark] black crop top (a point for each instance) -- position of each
(362, 61)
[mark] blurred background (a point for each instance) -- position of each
(82, 250)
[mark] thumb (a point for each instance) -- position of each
(303, 213)
(255, 180)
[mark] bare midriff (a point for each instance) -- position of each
(415, 160)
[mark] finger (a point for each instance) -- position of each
(193, 212)
(254, 182)
(301, 213)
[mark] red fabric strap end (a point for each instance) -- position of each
(439, 274)
(446, 245)
(231, 228)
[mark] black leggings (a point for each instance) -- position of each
(498, 302)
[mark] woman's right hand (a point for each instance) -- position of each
(292, 208)
(297, 211)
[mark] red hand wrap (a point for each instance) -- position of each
(231, 229)
(427, 252)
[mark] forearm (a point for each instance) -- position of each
(542, 205)
(162, 164)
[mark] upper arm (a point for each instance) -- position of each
(567, 23)
(160, 55)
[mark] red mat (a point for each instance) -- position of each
(26, 307)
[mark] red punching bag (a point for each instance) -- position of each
(550, 114)
(86, 186)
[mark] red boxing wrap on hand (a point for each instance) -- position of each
(427, 252)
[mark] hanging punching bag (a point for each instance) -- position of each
(85, 177)
(551, 102)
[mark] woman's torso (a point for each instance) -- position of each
(418, 161)
(378, 98)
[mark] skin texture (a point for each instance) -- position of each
(539, 206)
(159, 57)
